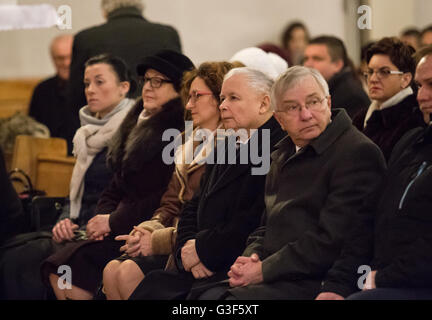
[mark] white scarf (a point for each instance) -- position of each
(388, 103)
(89, 140)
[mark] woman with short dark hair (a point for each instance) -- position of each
(394, 109)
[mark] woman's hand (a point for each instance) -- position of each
(64, 230)
(137, 243)
(98, 227)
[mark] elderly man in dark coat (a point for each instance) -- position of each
(319, 176)
(215, 224)
(126, 34)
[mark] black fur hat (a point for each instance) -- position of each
(168, 62)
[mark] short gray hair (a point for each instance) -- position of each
(293, 76)
(110, 5)
(256, 79)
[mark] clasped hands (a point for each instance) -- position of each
(138, 243)
(97, 229)
(191, 261)
(246, 271)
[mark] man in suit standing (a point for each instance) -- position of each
(126, 34)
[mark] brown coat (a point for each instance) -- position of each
(181, 188)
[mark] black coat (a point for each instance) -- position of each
(126, 34)
(311, 197)
(386, 127)
(392, 233)
(48, 106)
(140, 174)
(11, 211)
(133, 194)
(223, 212)
(347, 92)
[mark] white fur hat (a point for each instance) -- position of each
(268, 63)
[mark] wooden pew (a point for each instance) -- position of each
(15, 95)
(46, 162)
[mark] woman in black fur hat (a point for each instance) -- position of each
(140, 177)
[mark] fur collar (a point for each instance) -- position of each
(134, 144)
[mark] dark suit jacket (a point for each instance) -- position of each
(311, 197)
(225, 210)
(347, 92)
(127, 35)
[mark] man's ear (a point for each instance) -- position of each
(339, 64)
(329, 101)
(265, 105)
(406, 79)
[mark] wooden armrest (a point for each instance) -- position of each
(55, 158)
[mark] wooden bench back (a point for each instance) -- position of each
(15, 96)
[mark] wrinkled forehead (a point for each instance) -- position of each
(424, 69)
(303, 86)
(237, 82)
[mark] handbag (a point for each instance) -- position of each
(18, 176)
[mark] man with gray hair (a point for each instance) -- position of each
(215, 224)
(126, 34)
(319, 175)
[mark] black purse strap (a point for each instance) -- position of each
(14, 176)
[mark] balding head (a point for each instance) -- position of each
(61, 53)
(423, 79)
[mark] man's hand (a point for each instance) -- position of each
(189, 255)
(199, 271)
(329, 296)
(64, 230)
(246, 271)
(98, 227)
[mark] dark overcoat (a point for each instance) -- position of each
(347, 92)
(393, 232)
(387, 126)
(140, 178)
(220, 216)
(311, 196)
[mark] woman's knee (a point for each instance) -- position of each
(110, 270)
(129, 271)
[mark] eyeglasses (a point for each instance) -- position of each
(155, 82)
(195, 95)
(314, 104)
(381, 73)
